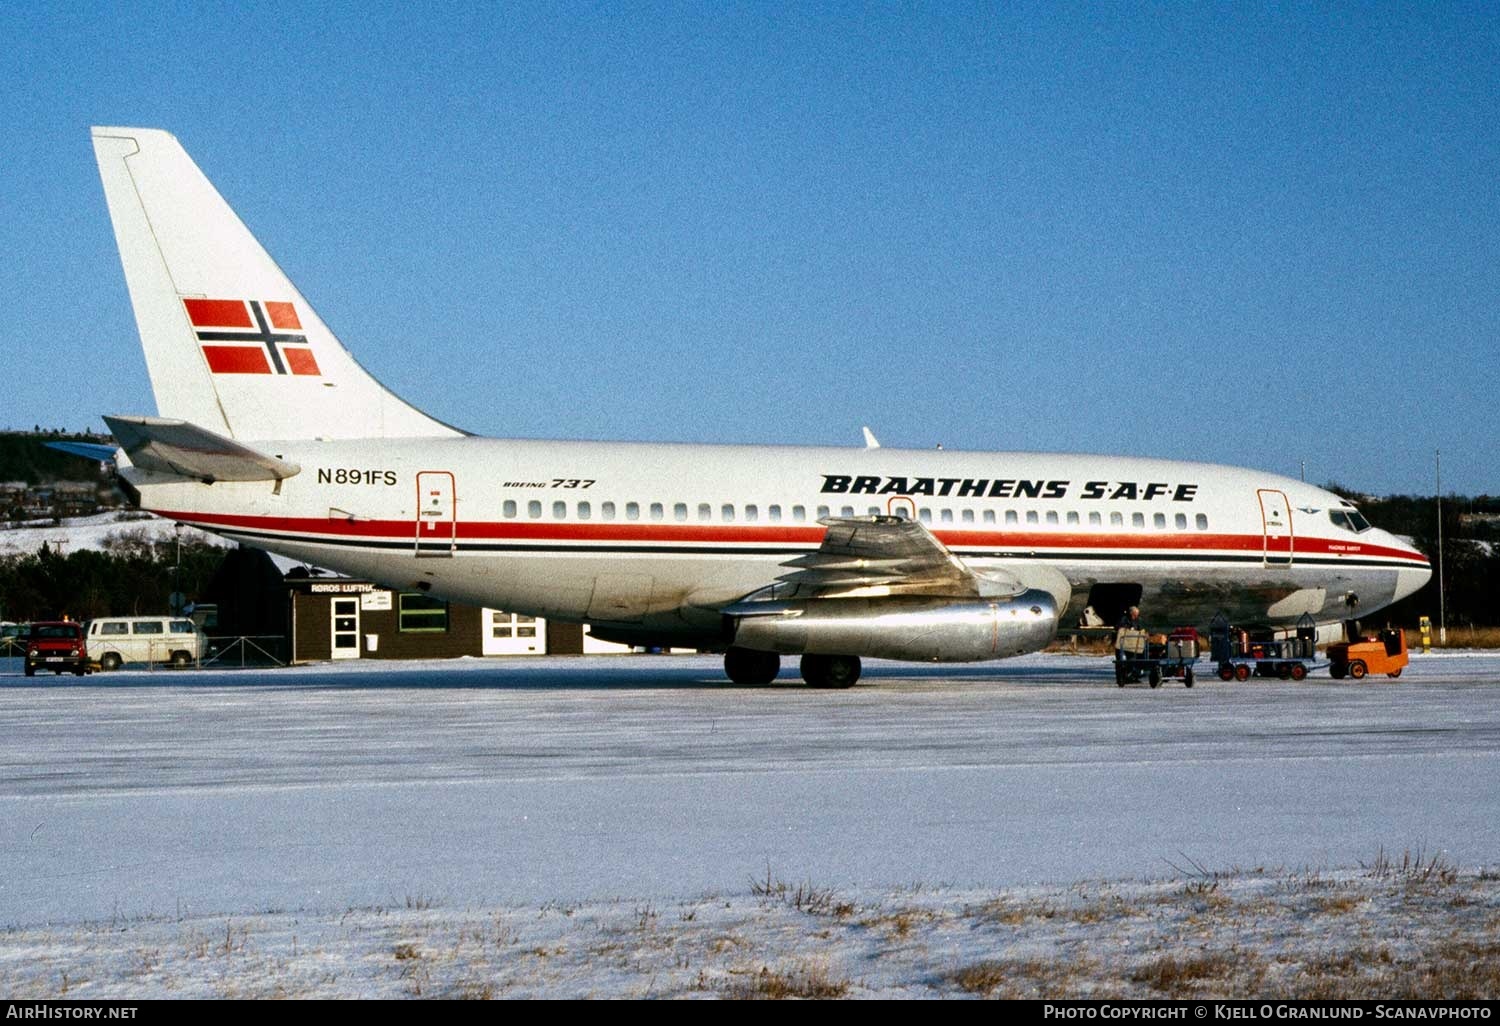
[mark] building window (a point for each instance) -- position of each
(418, 613)
(508, 509)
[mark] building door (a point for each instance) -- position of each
(344, 614)
(437, 513)
(513, 634)
(1276, 518)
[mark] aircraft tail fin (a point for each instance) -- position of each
(230, 343)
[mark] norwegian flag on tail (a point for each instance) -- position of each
(251, 337)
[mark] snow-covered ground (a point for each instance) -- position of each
(479, 807)
(95, 532)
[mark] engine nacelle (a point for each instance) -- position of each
(914, 629)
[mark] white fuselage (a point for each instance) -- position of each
(658, 538)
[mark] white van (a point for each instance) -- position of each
(115, 640)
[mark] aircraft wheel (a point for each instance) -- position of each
(1155, 678)
(1357, 669)
(830, 671)
(1395, 673)
(1187, 677)
(1299, 672)
(1226, 672)
(1242, 672)
(109, 662)
(749, 668)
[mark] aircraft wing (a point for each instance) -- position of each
(874, 556)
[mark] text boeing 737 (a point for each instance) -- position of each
(271, 434)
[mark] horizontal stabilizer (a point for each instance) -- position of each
(88, 450)
(186, 450)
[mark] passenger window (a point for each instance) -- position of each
(989, 516)
(559, 511)
(799, 513)
(658, 511)
(874, 511)
(1052, 516)
(584, 511)
(946, 516)
(822, 512)
(967, 516)
(726, 513)
(1202, 522)
(705, 512)
(679, 511)
(607, 510)
(925, 515)
(1117, 520)
(534, 509)
(508, 509)
(1095, 520)
(1072, 516)
(1159, 521)
(1137, 520)
(773, 513)
(848, 511)
(752, 513)
(1031, 516)
(1011, 517)
(632, 511)
(1181, 521)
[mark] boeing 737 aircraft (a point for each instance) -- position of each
(269, 433)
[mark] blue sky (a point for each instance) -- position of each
(1260, 235)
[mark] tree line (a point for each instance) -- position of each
(134, 575)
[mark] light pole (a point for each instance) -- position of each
(1442, 598)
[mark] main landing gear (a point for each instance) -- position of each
(750, 668)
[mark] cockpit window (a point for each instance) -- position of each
(1349, 520)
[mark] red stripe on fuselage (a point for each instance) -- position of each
(770, 534)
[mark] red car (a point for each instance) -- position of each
(56, 645)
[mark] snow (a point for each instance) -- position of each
(350, 805)
(94, 532)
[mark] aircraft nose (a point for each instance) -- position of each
(1410, 581)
